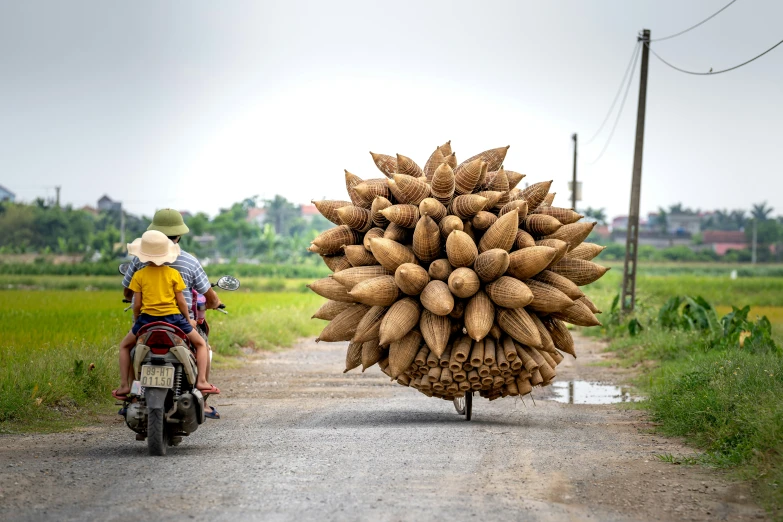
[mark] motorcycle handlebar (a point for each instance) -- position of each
(127, 301)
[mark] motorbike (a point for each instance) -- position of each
(164, 404)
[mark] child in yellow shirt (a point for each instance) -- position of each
(157, 296)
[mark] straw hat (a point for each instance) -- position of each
(154, 247)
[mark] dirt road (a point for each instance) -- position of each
(299, 440)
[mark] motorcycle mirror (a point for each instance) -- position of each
(123, 268)
(228, 283)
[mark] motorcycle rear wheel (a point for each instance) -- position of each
(157, 435)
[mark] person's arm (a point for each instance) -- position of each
(136, 304)
(183, 308)
(213, 301)
(127, 293)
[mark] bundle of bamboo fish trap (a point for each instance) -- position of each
(453, 278)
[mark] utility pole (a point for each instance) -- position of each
(755, 241)
(122, 225)
(632, 238)
(573, 188)
(57, 198)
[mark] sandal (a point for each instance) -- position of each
(212, 414)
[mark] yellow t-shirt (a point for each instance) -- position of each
(158, 285)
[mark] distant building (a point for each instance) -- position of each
(308, 212)
(681, 224)
(106, 204)
(6, 195)
(721, 241)
(256, 215)
(620, 223)
(89, 210)
(185, 214)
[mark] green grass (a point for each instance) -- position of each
(58, 351)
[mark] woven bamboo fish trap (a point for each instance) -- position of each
(451, 277)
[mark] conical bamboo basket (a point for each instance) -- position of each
(331, 289)
(449, 224)
(540, 225)
(378, 204)
(477, 355)
(391, 254)
(468, 205)
(509, 292)
(371, 353)
(372, 188)
(440, 269)
(343, 327)
(492, 196)
(483, 220)
(491, 264)
(489, 351)
(331, 241)
(497, 180)
(463, 282)
(397, 233)
(328, 208)
(408, 189)
(443, 184)
(450, 160)
(564, 215)
(457, 313)
(560, 335)
(385, 163)
(535, 194)
(578, 314)
(520, 205)
(561, 283)
(523, 240)
(585, 251)
(353, 357)
(411, 278)
(336, 262)
(546, 298)
(435, 330)
(460, 249)
(517, 323)
(467, 175)
(358, 256)
(446, 355)
(372, 233)
(509, 349)
(579, 271)
(433, 208)
(479, 316)
(461, 350)
(350, 277)
(574, 233)
(435, 160)
(403, 215)
(405, 165)
(426, 240)
(378, 291)
(589, 304)
(330, 309)
(351, 180)
(547, 344)
(400, 319)
(402, 353)
(370, 324)
(557, 244)
(513, 178)
(527, 262)
(493, 157)
(502, 234)
(436, 298)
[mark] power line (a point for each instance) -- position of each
(620, 112)
(694, 26)
(711, 72)
(616, 96)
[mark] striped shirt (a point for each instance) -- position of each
(187, 265)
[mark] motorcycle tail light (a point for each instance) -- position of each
(159, 342)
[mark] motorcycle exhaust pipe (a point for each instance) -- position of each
(186, 409)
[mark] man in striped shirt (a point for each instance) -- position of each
(170, 222)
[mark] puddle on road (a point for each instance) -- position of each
(583, 392)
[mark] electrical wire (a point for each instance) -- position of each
(695, 26)
(711, 72)
(620, 112)
(616, 96)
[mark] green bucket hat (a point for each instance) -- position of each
(169, 221)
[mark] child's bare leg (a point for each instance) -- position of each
(202, 360)
(125, 363)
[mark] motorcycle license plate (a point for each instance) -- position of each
(157, 376)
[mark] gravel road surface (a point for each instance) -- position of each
(299, 440)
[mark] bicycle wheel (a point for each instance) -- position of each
(468, 405)
(459, 405)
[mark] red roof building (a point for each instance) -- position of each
(724, 240)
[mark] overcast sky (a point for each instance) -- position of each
(197, 104)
